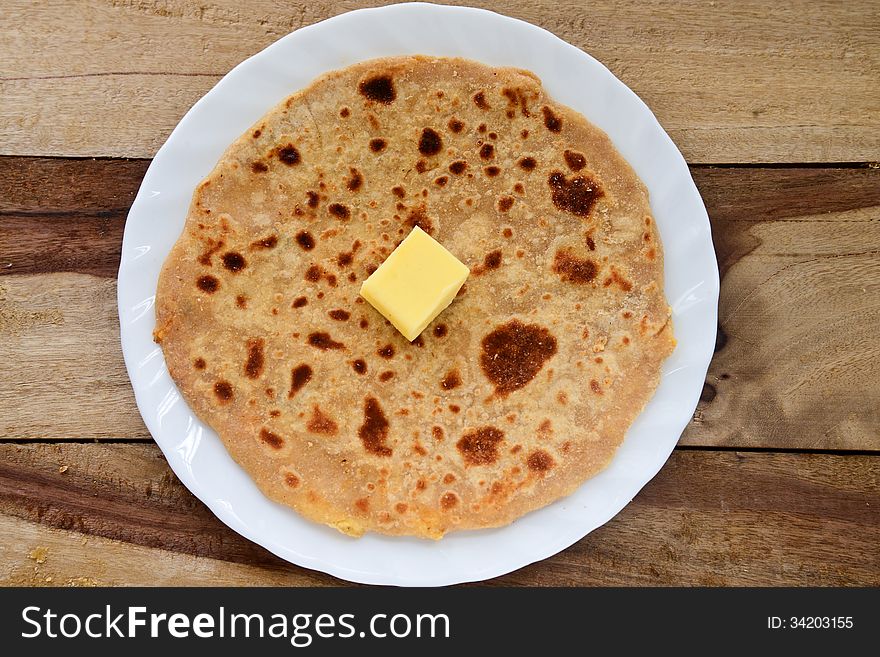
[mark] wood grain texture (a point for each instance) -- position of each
(798, 250)
(798, 353)
(116, 516)
(751, 81)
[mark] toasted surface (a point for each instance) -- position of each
(518, 392)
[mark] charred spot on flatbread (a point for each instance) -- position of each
(575, 195)
(514, 353)
(378, 88)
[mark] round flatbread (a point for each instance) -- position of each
(518, 392)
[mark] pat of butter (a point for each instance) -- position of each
(415, 283)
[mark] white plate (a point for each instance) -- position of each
(157, 216)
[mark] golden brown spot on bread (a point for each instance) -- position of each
(575, 161)
(448, 500)
(449, 478)
(345, 258)
(437, 432)
(617, 278)
(441, 181)
(552, 122)
(507, 232)
(487, 151)
(451, 380)
(362, 504)
(491, 171)
(458, 167)
(205, 258)
(360, 366)
(401, 507)
(273, 440)
(430, 143)
(355, 180)
(269, 242)
(378, 145)
(344, 112)
(418, 217)
(527, 163)
(576, 195)
(386, 376)
(440, 331)
(299, 302)
(223, 391)
(387, 351)
(540, 462)
(505, 203)
(207, 284)
(339, 211)
(299, 377)
(378, 88)
(374, 430)
(322, 340)
(313, 199)
(514, 353)
(305, 240)
(291, 479)
(199, 363)
(259, 167)
(573, 269)
(288, 154)
(480, 100)
(594, 386)
(455, 125)
(339, 314)
(321, 423)
(480, 446)
(253, 367)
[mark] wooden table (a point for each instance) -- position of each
(776, 105)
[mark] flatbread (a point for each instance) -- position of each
(516, 394)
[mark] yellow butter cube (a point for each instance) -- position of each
(415, 283)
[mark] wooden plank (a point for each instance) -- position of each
(793, 81)
(59, 215)
(116, 515)
(797, 249)
(798, 353)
